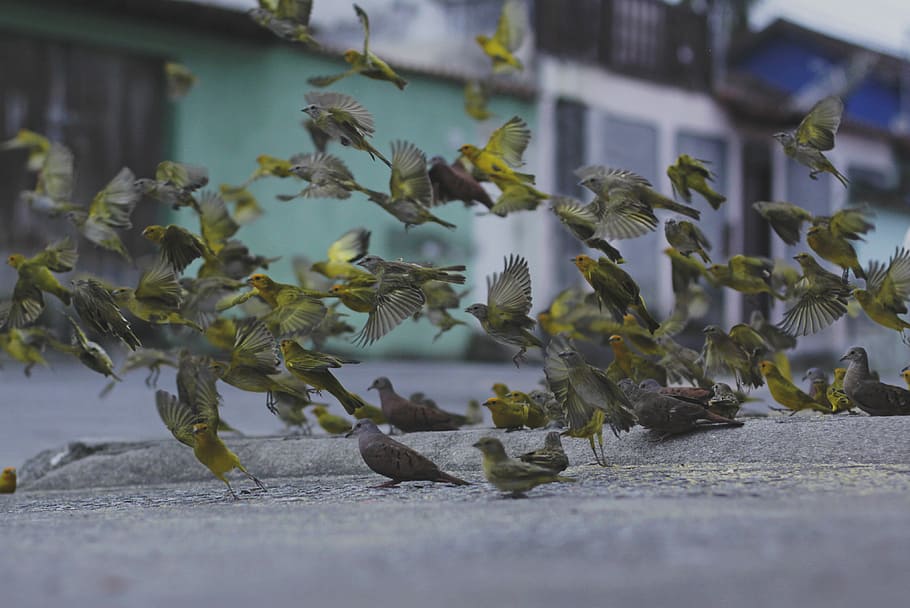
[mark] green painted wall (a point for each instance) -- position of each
(248, 101)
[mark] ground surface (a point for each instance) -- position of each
(806, 511)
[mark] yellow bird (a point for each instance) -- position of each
(502, 153)
(8, 480)
(786, 393)
(509, 35)
(507, 414)
(330, 423)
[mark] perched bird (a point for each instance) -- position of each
(691, 394)
(905, 374)
(8, 480)
(510, 33)
(507, 414)
(829, 238)
(366, 63)
(551, 407)
(818, 386)
(330, 423)
(868, 394)
(551, 456)
(348, 248)
(786, 393)
(887, 291)
(615, 289)
(287, 19)
(395, 460)
(253, 365)
(410, 189)
(687, 239)
(157, 298)
(588, 397)
(290, 411)
(476, 97)
(786, 219)
(179, 79)
(583, 223)
(732, 355)
(315, 369)
(612, 184)
(411, 417)
(837, 397)
(91, 354)
(537, 416)
(36, 276)
(815, 135)
(510, 475)
(689, 174)
(455, 183)
(505, 315)
(178, 245)
(100, 311)
(724, 401)
(667, 415)
(822, 299)
(192, 417)
(473, 413)
(341, 117)
(502, 153)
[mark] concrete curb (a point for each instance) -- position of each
(797, 440)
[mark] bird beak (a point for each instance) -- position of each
(476, 444)
(349, 433)
(842, 358)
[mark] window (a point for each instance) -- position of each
(570, 155)
(106, 106)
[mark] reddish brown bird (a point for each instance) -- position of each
(411, 417)
(455, 183)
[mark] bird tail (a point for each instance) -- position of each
(642, 311)
(446, 478)
(374, 153)
(442, 222)
(714, 199)
(858, 271)
(657, 200)
(563, 479)
(840, 177)
(349, 401)
(443, 275)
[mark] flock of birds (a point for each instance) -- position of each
(653, 381)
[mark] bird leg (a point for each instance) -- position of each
(392, 483)
(28, 370)
(254, 480)
(230, 489)
(270, 401)
(515, 494)
(519, 356)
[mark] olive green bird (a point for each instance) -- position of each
(369, 411)
(476, 98)
(887, 291)
(342, 117)
(174, 184)
(178, 245)
(27, 346)
(537, 416)
(287, 19)
(365, 63)
(157, 298)
(814, 136)
(192, 417)
(90, 354)
(837, 397)
(410, 190)
(589, 398)
(724, 401)
(327, 177)
(510, 33)
(746, 274)
(615, 289)
(614, 184)
(501, 155)
(98, 308)
(507, 414)
(35, 278)
(109, 211)
(551, 456)
(830, 237)
(687, 239)
(635, 366)
(517, 197)
(246, 206)
(151, 359)
(331, 423)
(818, 386)
(35, 144)
(690, 174)
(735, 354)
(504, 317)
(348, 248)
(179, 80)
(786, 393)
(294, 310)
(685, 271)
(822, 299)
(53, 191)
(583, 223)
(253, 365)
(513, 476)
(786, 219)
(316, 370)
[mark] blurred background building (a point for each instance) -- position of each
(625, 83)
